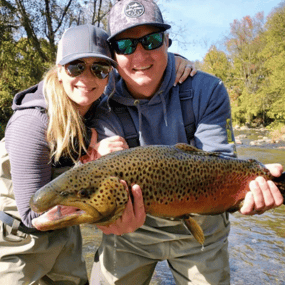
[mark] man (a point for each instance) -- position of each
(147, 71)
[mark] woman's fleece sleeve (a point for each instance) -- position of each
(29, 152)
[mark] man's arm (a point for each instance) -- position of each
(211, 105)
(264, 195)
(214, 133)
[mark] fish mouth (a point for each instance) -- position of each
(61, 216)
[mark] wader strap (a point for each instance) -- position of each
(130, 133)
(47, 280)
(188, 115)
(15, 224)
(186, 94)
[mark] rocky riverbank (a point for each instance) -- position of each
(257, 137)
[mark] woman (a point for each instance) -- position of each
(47, 134)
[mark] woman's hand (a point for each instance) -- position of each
(264, 195)
(110, 144)
(133, 217)
(105, 146)
(184, 68)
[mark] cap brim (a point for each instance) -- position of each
(73, 57)
(163, 27)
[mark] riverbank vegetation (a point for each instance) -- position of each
(252, 65)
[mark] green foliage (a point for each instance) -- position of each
(254, 72)
(216, 63)
(29, 31)
(253, 68)
(21, 67)
(274, 56)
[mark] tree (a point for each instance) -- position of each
(216, 63)
(40, 19)
(274, 56)
(95, 12)
(29, 31)
(244, 46)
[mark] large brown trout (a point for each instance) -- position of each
(176, 181)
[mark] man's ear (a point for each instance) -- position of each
(168, 40)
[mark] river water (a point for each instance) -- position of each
(256, 243)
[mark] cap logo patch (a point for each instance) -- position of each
(134, 10)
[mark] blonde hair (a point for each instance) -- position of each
(65, 124)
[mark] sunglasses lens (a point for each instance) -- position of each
(152, 41)
(100, 70)
(124, 46)
(149, 42)
(75, 68)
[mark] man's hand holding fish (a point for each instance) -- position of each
(264, 195)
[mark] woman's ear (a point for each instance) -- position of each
(60, 69)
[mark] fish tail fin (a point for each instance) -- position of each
(280, 183)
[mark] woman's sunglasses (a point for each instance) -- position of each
(128, 46)
(77, 67)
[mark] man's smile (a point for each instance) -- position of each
(142, 68)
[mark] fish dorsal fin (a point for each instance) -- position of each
(186, 147)
(189, 148)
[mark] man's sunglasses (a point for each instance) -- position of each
(128, 46)
(76, 67)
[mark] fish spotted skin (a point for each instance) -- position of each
(175, 181)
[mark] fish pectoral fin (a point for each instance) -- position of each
(195, 229)
(189, 148)
(236, 207)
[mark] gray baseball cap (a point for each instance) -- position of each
(126, 14)
(83, 41)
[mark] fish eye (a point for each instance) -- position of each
(83, 193)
